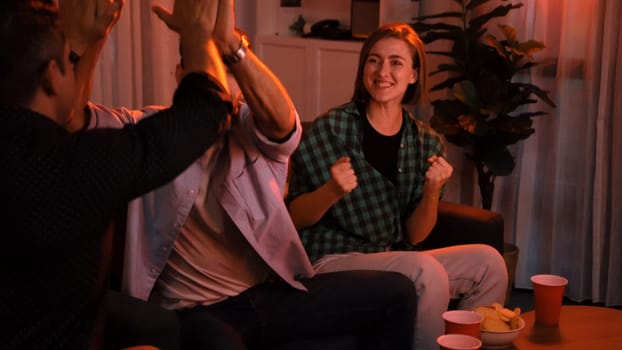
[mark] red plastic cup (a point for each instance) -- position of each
(548, 292)
(462, 322)
(458, 342)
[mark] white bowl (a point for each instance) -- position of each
(500, 339)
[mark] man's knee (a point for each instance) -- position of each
(130, 322)
(201, 330)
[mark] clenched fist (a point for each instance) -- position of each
(437, 175)
(342, 176)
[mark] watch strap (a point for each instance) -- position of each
(236, 56)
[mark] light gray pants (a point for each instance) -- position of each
(474, 273)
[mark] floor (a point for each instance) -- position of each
(523, 298)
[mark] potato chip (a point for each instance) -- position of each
(498, 318)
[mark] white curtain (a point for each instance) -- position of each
(137, 65)
(562, 205)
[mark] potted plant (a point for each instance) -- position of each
(486, 109)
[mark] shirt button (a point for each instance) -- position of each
(399, 170)
(402, 145)
(191, 192)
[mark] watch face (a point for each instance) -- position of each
(238, 55)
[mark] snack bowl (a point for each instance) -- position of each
(500, 339)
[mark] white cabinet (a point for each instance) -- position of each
(318, 74)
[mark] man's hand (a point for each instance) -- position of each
(224, 35)
(88, 22)
(194, 21)
(343, 178)
(190, 17)
(437, 175)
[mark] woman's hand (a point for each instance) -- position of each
(438, 174)
(342, 177)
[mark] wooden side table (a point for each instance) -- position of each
(580, 328)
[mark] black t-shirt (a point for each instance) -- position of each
(381, 150)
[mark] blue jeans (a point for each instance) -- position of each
(379, 307)
(131, 322)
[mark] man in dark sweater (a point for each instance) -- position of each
(58, 189)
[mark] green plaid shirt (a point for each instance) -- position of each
(370, 218)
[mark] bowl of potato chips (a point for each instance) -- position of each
(500, 325)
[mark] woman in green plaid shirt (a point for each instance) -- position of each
(367, 175)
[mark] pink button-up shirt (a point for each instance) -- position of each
(251, 193)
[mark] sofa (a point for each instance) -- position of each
(456, 224)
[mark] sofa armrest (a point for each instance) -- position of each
(465, 224)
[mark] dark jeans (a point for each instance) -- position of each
(130, 321)
(379, 307)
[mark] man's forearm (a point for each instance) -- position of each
(272, 107)
(202, 56)
(84, 72)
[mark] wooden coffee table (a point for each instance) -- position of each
(580, 328)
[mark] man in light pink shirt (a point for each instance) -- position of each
(217, 244)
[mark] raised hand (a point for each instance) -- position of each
(438, 174)
(190, 17)
(342, 176)
(87, 22)
(194, 20)
(224, 35)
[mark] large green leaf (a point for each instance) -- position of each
(466, 92)
(531, 114)
(543, 95)
(422, 27)
(449, 108)
(510, 34)
(499, 11)
(475, 3)
(447, 83)
(441, 124)
(447, 68)
(473, 124)
(492, 41)
(531, 46)
(448, 14)
(432, 36)
(510, 130)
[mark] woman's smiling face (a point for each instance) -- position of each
(389, 70)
